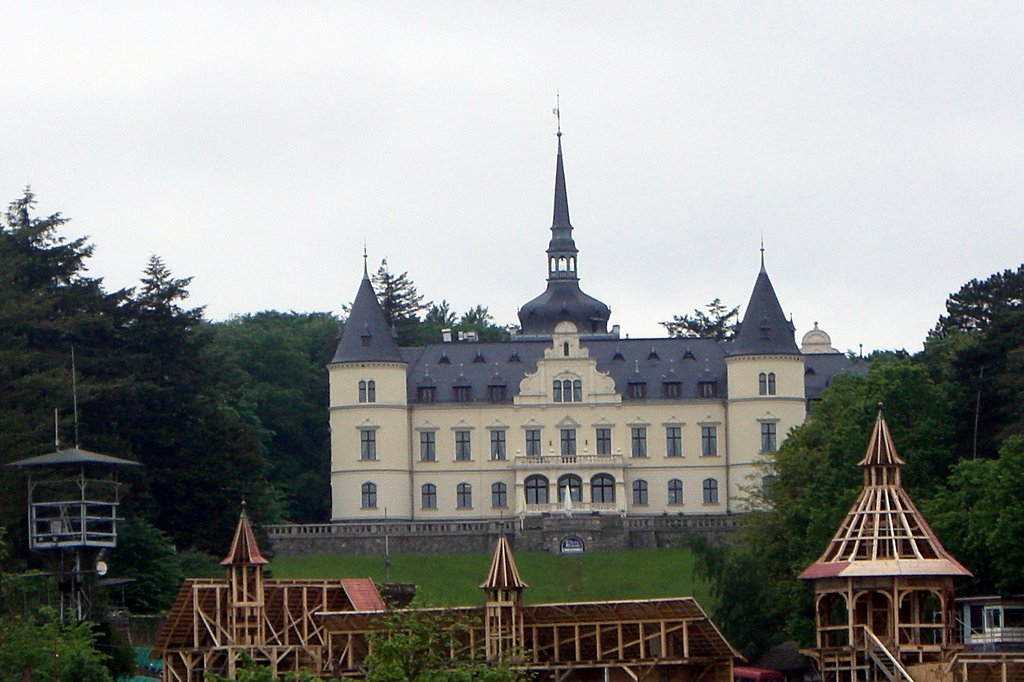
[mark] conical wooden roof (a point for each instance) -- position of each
(884, 534)
(503, 574)
(244, 549)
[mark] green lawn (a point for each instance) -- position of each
(454, 579)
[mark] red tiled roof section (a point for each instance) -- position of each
(363, 594)
(503, 574)
(244, 549)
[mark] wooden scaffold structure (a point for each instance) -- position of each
(884, 597)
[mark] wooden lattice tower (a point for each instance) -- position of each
(247, 598)
(884, 585)
(503, 604)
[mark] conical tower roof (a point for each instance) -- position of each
(764, 329)
(367, 337)
(884, 534)
(244, 550)
(503, 574)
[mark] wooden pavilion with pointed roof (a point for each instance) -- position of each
(214, 622)
(884, 585)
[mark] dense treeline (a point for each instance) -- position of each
(216, 412)
(954, 410)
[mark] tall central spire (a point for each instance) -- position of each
(562, 252)
(563, 300)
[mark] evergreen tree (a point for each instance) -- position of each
(717, 323)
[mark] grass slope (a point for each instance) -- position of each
(454, 579)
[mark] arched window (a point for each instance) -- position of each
(428, 496)
(464, 496)
(710, 491)
(369, 495)
(536, 489)
(572, 483)
(771, 383)
(567, 390)
(640, 492)
(762, 384)
(371, 391)
(362, 391)
(675, 491)
(499, 495)
(602, 489)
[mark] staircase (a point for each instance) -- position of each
(884, 661)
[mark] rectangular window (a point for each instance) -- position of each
(707, 389)
(497, 445)
(672, 389)
(604, 441)
(428, 446)
(768, 443)
(568, 442)
(533, 443)
(709, 441)
(637, 391)
(367, 445)
(463, 394)
(463, 453)
(426, 394)
(674, 441)
(639, 441)
(496, 394)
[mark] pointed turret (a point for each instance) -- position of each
(503, 574)
(244, 550)
(563, 300)
(884, 533)
(246, 596)
(765, 329)
(367, 337)
(503, 597)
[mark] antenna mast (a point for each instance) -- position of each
(74, 395)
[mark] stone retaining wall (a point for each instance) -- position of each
(530, 533)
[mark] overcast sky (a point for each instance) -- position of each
(877, 147)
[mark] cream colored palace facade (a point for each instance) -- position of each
(565, 417)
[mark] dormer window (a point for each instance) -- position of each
(672, 389)
(619, 356)
(426, 394)
(443, 360)
(707, 389)
(653, 355)
(462, 394)
(514, 358)
(637, 390)
(496, 394)
(479, 358)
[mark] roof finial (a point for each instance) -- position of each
(366, 272)
(557, 111)
(762, 250)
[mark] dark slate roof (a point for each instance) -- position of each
(650, 361)
(367, 337)
(563, 300)
(820, 368)
(765, 329)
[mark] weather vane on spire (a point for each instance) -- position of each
(557, 111)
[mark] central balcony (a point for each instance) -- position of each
(553, 461)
